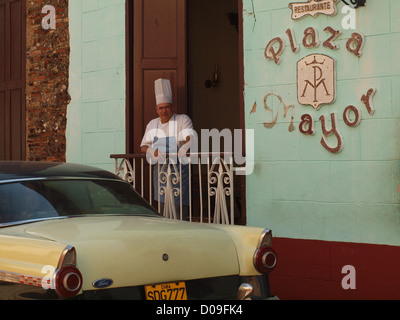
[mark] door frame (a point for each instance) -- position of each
(129, 117)
(15, 149)
(129, 54)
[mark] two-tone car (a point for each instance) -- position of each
(70, 231)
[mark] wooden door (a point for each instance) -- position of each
(159, 51)
(12, 80)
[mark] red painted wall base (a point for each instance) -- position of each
(312, 270)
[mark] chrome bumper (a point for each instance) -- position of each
(255, 288)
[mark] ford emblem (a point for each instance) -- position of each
(102, 283)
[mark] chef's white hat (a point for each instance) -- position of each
(162, 88)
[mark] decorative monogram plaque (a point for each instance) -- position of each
(316, 80)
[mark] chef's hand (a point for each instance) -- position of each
(183, 158)
(161, 156)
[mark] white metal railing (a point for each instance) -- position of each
(210, 185)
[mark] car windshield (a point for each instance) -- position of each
(32, 200)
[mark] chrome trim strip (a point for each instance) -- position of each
(21, 180)
(265, 239)
(9, 277)
(19, 278)
(18, 223)
(117, 179)
(68, 253)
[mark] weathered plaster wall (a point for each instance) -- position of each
(47, 76)
(298, 188)
(96, 114)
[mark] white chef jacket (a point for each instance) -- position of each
(178, 126)
(176, 129)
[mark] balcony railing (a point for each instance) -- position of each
(210, 185)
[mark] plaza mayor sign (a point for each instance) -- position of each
(316, 75)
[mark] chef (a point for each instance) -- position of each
(167, 136)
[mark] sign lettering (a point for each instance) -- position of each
(307, 124)
(329, 42)
(274, 49)
(326, 133)
(355, 44)
(271, 53)
(357, 116)
(310, 39)
(316, 76)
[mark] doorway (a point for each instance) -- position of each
(213, 75)
(197, 44)
(213, 72)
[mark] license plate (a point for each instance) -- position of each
(166, 291)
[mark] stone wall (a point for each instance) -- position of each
(47, 74)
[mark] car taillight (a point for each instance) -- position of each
(265, 259)
(68, 281)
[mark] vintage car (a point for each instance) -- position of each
(70, 231)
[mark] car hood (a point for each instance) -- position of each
(133, 250)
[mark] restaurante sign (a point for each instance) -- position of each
(313, 8)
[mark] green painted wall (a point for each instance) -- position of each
(299, 189)
(96, 114)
